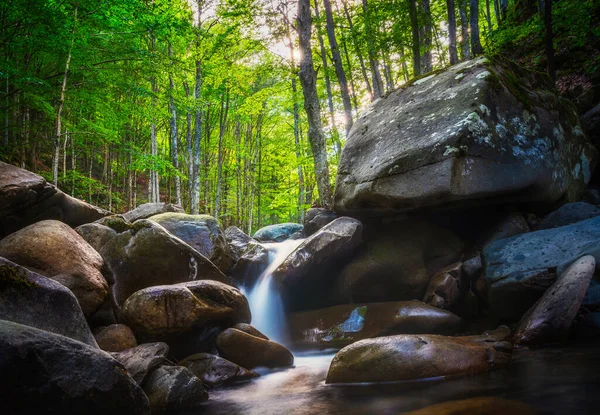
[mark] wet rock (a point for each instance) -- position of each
(277, 233)
(550, 319)
(396, 262)
(568, 214)
(477, 406)
(61, 375)
(214, 370)
(468, 135)
(412, 356)
(26, 198)
(184, 314)
(147, 255)
(116, 338)
(251, 265)
(520, 269)
(54, 250)
(238, 242)
(201, 232)
(316, 218)
(33, 300)
(247, 328)
(308, 269)
(344, 324)
(174, 388)
(445, 286)
(250, 351)
(150, 209)
(143, 359)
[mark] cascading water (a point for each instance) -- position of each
(265, 300)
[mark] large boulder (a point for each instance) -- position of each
(550, 319)
(185, 315)
(26, 198)
(341, 325)
(116, 338)
(145, 254)
(47, 372)
(150, 209)
(397, 261)
(251, 351)
(238, 242)
(277, 233)
(316, 218)
(568, 214)
(520, 269)
(33, 300)
(53, 249)
(201, 232)
(477, 132)
(141, 360)
(412, 356)
(214, 370)
(174, 388)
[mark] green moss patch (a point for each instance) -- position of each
(11, 277)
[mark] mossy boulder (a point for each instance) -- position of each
(277, 233)
(150, 209)
(479, 132)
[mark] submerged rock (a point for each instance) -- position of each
(250, 351)
(150, 209)
(550, 319)
(33, 300)
(477, 406)
(477, 132)
(412, 356)
(214, 370)
(174, 388)
(345, 324)
(143, 359)
(53, 249)
(116, 338)
(277, 233)
(46, 372)
(316, 218)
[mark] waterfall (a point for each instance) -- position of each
(266, 305)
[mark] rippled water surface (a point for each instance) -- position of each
(556, 381)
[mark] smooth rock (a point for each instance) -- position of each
(277, 233)
(250, 351)
(33, 300)
(141, 360)
(174, 388)
(446, 287)
(238, 242)
(418, 356)
(116, 338)
(247, 328)
(508, 225)
(472, 268)
(54, 250)
(214, 370)
(47, 372)
(477, 406)
(251, 265)
(150, 209)
(344, 324)
(316, 218)
(479, 132)
(201, 232)
(550, 319)
(568, 214)
(96, 234)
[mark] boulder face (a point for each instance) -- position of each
(53, 249)
(174, 388)
(250, 351)
(214, 370)
(477, 132)
(344, 324)
(201, 232)
(61, 375)
(277, 233)
(251, 265)
(316, 218)
(550, 319)
(26, 198)
(446, 287)
(150, 209)
(477, 406)
(238, 242)
(33, 300)
(568, 214)
(407, 357)
(520, 269)
(116, 338)
(141, 360)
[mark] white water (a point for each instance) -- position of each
(266, 305)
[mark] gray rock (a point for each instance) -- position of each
(116, 338)
(568, 214)
(520, 269)
(174, 388)
(472, 268)
(54, 250)
(33, 300)
(479, 132)
(141, 360)
(214, 370)
(238, 242)
(590, 121)
(251, 265)
(316, 218)
(277, 233)
(250, 351)
(150, 209)
(550, 319)
(95, 234)
(56, 374)
(511, 224)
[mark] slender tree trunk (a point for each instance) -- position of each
(6, 116)
(426, 38)
(363, 68)
(475, 42)
(195, 193)
(190, 144)
(325, 66)
(416, 47)
(373, 62)
(549, 39)
(174, 134)
(497, 11)
(465, 44)
(222, 125)
(503, 8)
(452, 32)
(311, 104)
(153, 186)
(488, 15)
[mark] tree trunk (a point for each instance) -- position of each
(549, 39)
(465, 44)
(426, 37)
(452, 32)
(363, 68)
(416, 47)
(195, 193)
(311, 104)
(488, 15)
(325, 66)
(476, 47)
(497, 11)
(373, 62)
(222, 125)
(174, 135)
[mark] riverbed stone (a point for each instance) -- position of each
(344, 324)
(277, 233)
(95, 234)
(116, 338)
(477, 406)
(316, 218)
(150, 209)
(34, 300)
(247, 328)
(412, 356)
(446, 287)
(43, 371)
(201, 232)
(479, 132)
(250, 351)
(251, 265)
(238, 241)
(214, 370)
(174, 388)
(568, 214)
(143, 359)
(550, 319)
(52, 249)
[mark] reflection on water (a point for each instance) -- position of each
(556, 381)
